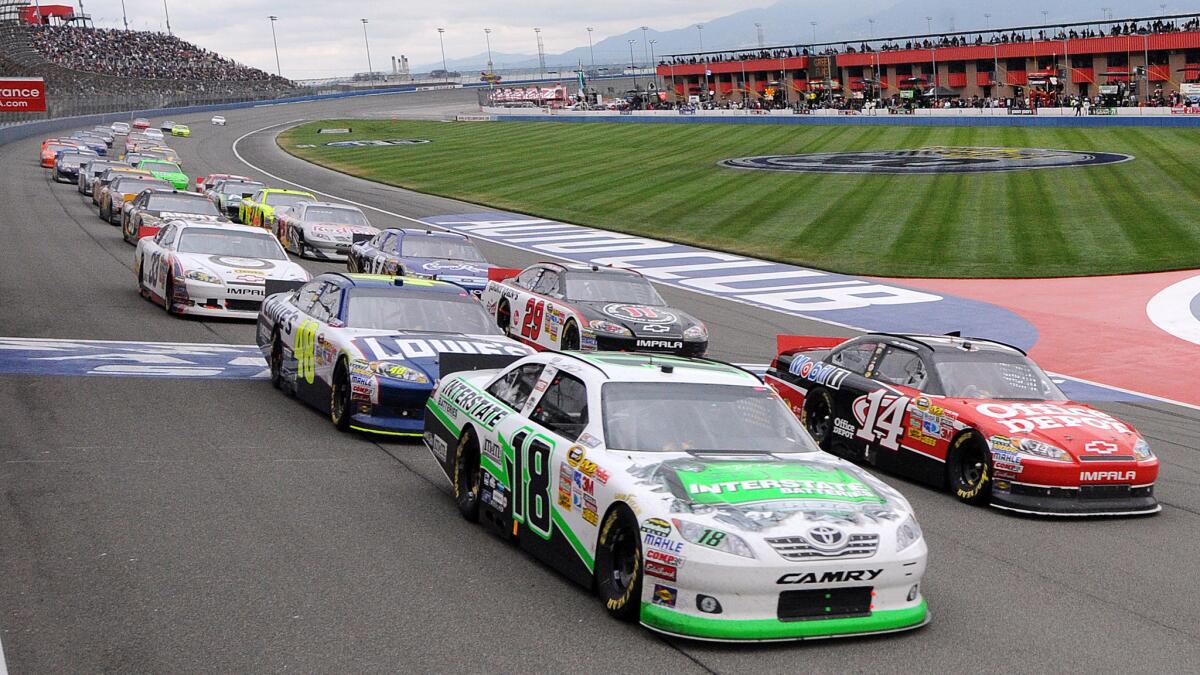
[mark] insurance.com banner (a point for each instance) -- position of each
(22, 94)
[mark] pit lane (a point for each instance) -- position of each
(160, 524)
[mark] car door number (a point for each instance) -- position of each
(529, 478)
(880, 418)
(531, 326)
(306, 351)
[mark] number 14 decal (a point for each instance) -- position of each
(880, 418)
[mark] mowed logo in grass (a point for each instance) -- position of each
(932, 160)
(391, 142)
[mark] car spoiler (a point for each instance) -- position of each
(449, 362)
(281, 286)
(792, 343)
(502, 273)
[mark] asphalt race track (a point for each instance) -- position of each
(175, 525)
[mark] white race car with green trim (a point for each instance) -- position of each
(683, 491)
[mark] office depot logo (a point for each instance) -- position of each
(22, 94)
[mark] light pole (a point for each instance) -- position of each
(442, 43)
(929, 24)
(1045, 17)
(645, 46)
(758, 28)
(872, 32)
(700, 33)
(370, 68)
(487, 35)
(278, 69)
(636, 81)
(814, 31)
(124, 16)
(590, 51)
(653, 60)
(987, 21)
(166, 14)
(541, 53)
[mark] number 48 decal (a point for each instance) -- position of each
(880, 418)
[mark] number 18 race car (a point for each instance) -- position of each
(683, 492)
(975, 415)
(579, 307)
(365, 349)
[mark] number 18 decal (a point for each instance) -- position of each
(880, 418)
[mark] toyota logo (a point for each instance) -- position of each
(826, 537)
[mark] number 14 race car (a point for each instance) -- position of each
(683, 491)
(977, 415)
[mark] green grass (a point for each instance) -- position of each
(661, 180)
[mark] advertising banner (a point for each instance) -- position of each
(22, 94)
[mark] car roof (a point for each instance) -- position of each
(355, 280)
(950, 344)
(211, 221)
(582, 268)
(642, 367)
(282, 191)
(332, 205)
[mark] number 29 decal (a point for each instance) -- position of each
(880, 418)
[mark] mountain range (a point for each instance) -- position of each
(789, 22)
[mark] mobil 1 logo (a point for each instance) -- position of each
(932, 160)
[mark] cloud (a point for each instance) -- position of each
(323, 39)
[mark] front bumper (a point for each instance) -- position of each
(1089, 500)
(66, 176)
(666, 621)
(390, 408)
(325, 250)
(201, 299)
(675, 346)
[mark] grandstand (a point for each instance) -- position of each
(89, 70)
(1146, 61)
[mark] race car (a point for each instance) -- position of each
(228, 193)
(154, 135)
(181, 130)
(104, 132)
(100, 187)
(321, 230)
(218, 120)
(975, 415)
(210, 269)
(121, 128)
(203, 182)
(145, 215)
(166, 126)
(683, 492)
(168, 171)
(571, 306)
(90, 172)
(365, 349)
(159, 152)
(259, 209)
(448, 256)
(52, 147)
(141, 123)
(66, 166)
(90, 141)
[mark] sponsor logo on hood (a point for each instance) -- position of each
(744, 482)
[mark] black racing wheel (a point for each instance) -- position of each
(969, 469)
(468, 476)
(818, 416)
(339, 398)
(570, 339)
(618, 572)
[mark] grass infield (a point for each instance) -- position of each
(662, 181)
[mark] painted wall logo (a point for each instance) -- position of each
(1176, 309)
(378, 144)
(932, 160)
(45, 356)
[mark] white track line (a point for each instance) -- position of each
(424, 224)
(3, 668)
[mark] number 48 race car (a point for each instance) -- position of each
(683, 491)
(973, 414)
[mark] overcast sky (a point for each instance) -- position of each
(325, 39)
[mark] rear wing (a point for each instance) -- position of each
(449, 362)
(502, 273)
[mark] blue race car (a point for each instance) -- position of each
(424, 254)
(366, 349)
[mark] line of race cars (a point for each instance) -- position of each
(573, 412)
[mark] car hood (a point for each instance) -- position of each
(1085, 433)
(422, 350)
(642, 320)
(237, 270)
(339, 232)
(446, 268)
(754, 493)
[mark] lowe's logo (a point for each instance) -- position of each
(828, 577)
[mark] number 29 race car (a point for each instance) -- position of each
(976, 415)
(588, 308)
(365, 349)
(683, 491)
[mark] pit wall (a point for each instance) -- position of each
(986, 117)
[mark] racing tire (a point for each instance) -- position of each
(504, 316)
(339, 398)
(169, 294)
(969, 469)
(141, 286)
(818, 416)
(468, 476)
(618, 568)
(105, 215)
(276, 362)
(570, 339)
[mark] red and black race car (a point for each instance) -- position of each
(976, 415)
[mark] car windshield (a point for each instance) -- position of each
(280, 199)
(397, 309)
(182, 203)
(1003, 377)
(163, 167)
(239, 189)
(135, 185)
(612, 288)
(441, 248)
(326, 214)
(74, 159)
(97, 168)
(235, 243)
(679, 417)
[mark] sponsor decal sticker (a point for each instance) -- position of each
(818, 373)
(437, 444)
(1107, 475)
(640, 314)
(741, 483)
(656, 526)
(662, 543)
(931, 160)
(660, 570)
(838, 577)
(664, 595)
(1022, 418)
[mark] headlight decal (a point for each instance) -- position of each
(709, 537)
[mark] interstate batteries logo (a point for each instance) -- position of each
(933, 160)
